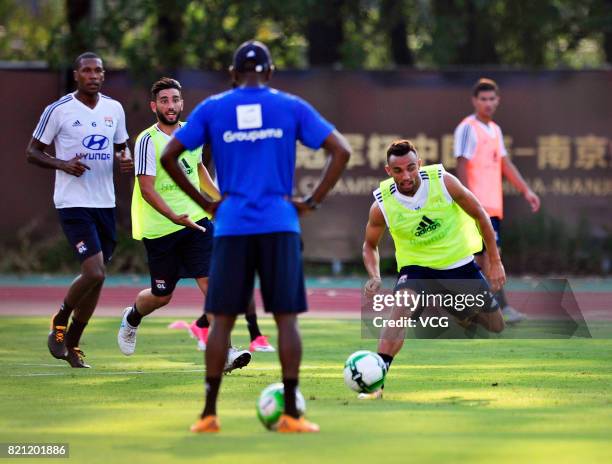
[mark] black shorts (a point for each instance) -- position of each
(277, 259)
(464, 286)
(182, 254)
(89, 231)
(496, 223)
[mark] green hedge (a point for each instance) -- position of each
(542, 244)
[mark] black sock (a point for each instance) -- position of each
(388, 359)
(500, 296)
(212, 390)
(73, 335)
(134, 317)
(252, 325)
(290, 388)
(63, 315)
(202, 322)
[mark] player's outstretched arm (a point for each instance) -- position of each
(151, 196)
(371, 259)
(206, 183)
(36, 155)
(470, 204)
(514, 176)
(169, 160)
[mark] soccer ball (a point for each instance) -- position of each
(271, 404)
(364, 371)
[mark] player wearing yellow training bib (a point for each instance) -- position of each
(437, 225)
(176, 232)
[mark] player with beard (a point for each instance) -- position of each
(436, 225)
(176, 232)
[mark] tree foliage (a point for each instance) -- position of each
(152, 35)
(26, 33)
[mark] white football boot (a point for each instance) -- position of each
(375, 395)
(512, 316)
(126, 337)
(236, 359)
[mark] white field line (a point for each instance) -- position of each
(93, 373)
(40, 365)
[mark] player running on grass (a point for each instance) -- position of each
(88, 129)
(434, 222)
(178, 244)
(199, 329)
(482, 160)
(252, 131)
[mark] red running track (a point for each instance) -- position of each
(341, 302)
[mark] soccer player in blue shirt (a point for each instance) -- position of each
(252, 130)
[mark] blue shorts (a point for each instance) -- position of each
(89, 231)
(275, 257)
(496, 223)
(461, 281)
(181, 254)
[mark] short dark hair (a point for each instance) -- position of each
(84, 56)
(401, 148)
(484, 85)
(163, 84)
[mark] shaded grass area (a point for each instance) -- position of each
(445, 400)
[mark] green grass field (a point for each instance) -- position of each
(502, 401)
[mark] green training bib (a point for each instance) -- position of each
(147, 222)
(436, 235)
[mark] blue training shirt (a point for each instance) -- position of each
(253, 132)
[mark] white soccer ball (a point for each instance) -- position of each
(364, 371)
(271, 404)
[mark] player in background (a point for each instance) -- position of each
(482, 160)
(176, 232)
(437, 225)
(88, 131)
(258, 342)
(252, 131)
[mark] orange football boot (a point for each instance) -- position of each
(288, 424)
(208, 424)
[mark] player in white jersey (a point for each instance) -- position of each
(88, 131)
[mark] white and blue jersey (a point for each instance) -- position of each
(253, 132)
(77, 129)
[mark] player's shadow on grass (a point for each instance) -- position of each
(407, 404)
(460, 401)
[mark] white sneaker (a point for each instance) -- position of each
(236, 359)
(126, 337)
(375, 395)
(512, 316)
